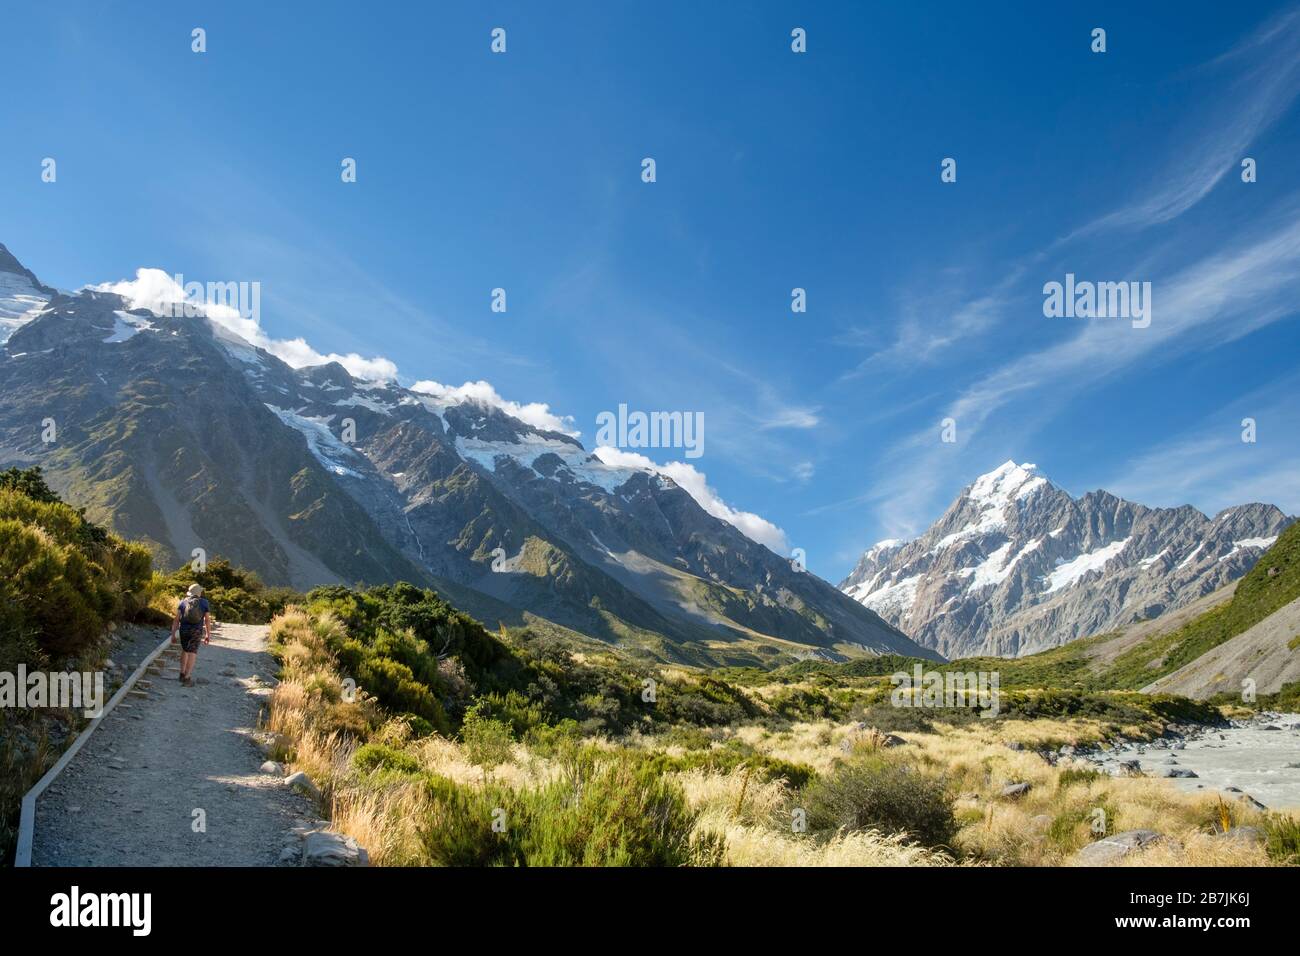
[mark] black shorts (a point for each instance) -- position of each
(191, 640)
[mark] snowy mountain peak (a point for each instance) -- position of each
(1016, 565)
(888, 544)
(22, 295)
(1006, 482)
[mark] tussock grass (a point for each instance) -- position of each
(416, 798)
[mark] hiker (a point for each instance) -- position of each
(193, 621)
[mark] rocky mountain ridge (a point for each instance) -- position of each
(1016, 565)
(178, 432)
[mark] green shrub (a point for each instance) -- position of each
(515, 710)
(371, 757)
(488, 742)
(62, 579)
(1282, 839)
(889, 719)
(624, 814)
(457, 828)
(1075, 775)
(801, 703)
(1064, 830)
(346, 720)
(727, 759)
(397, 689)
(235, 595)
(885, 793)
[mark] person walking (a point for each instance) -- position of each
(194, 622)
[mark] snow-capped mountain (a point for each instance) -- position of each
(1016, 565)
(178, 432)
(22, 295)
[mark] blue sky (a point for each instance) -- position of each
(775, 170)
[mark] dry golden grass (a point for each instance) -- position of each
(755, 846)
(384, 821)
(756, 820)
(1045, 827)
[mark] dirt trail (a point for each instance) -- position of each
(128, 797)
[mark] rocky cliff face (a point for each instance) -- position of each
(177, 432)
(1016, 565)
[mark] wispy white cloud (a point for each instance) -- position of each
(537, 414)
(791, 417)
(1210, 467)
(156, 290)
(1206, 304)
(1221, 132)
(1209, 302)
(695, 483)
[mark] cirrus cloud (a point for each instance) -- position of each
(695, 483)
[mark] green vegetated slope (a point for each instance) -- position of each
(62, 578)
(1104, 662)
(1083, 663)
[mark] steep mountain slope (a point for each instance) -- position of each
(1268, 653)
(154, 437)
(1016, 565)
(1248, 629)
(178, 432)
(21, 294)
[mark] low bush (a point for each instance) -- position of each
(371, 757)
(625, 814)
(1073, 775)
(235, 595)
(62, 579)
(1282, 839)
(885, 793)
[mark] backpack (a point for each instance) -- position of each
(192, 612)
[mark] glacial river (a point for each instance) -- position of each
(1257, 760)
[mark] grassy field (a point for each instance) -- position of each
(734, 768)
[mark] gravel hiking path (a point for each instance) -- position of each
(128, 797)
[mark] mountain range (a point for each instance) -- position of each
(1016, 565)
(176, 431)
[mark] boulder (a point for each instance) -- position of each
(303, 783)
(1244, 835)
(1180, 772)
(1131, 768)
(327, 848)
(272, 744)
(1109, 849)
(1014, 791)
(273, 768)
